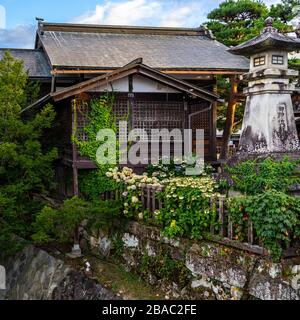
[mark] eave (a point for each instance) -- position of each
(135, 67)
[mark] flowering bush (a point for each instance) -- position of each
(187, 210)
(172, 167)
(131, 184)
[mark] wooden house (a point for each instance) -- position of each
(162, 78)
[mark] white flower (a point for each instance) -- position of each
(134, 200)
(141, 216)
(125, 194)
(126, 205)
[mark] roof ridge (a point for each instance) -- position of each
(122, 29)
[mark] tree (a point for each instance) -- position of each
(286, 10)
(25, 167)
(234, 22)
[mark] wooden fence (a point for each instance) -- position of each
(222, 230)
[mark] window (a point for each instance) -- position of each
(277, 59)
(259, 61)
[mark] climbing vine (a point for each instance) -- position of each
(98, 115)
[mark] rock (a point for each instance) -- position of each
(130, 241)
(218, 267)
(265, 288)
(35, 275)
(275, 270)
(105, 246)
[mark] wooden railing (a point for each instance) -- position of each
(221, 231)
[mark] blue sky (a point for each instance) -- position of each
(17, 17)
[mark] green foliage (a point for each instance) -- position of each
(165, 268)
(234, 22)
(255, 176)
(186, 210)
(100, 116)
(286, 10)
(118, 246)
(275, 217)
(94, 183)
(25, 166)
(61, 225)
(237, 21)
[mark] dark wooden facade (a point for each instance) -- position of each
(187, 107)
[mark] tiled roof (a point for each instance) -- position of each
(79, 46)
(34, 61)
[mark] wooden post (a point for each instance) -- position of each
(221, 215)
(74, 150)
(153, 199)
(213, 205)
(250, 232)
(160, 204)
(229, 116)
(53, 83)
(149, 198)
(213, 134)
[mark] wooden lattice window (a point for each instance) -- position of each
(150, 115)
(82, 121)
(121, 112)
(201, 120)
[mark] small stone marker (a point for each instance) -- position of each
(76, 252)
(2, 278)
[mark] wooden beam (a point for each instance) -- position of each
(180, 72)
(66, 93)
(80, 71)
(229, 117)
(200, 72)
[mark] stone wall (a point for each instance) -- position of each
(199, 270)
(35, 275)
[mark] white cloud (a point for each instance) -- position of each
(21, 36)
(171, 13)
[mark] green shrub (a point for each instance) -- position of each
(61, 225)
(186, 210)
(255, 176)
(275, 216)
(94, 183)
(164, 267)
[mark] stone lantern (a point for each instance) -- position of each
(269, 123)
